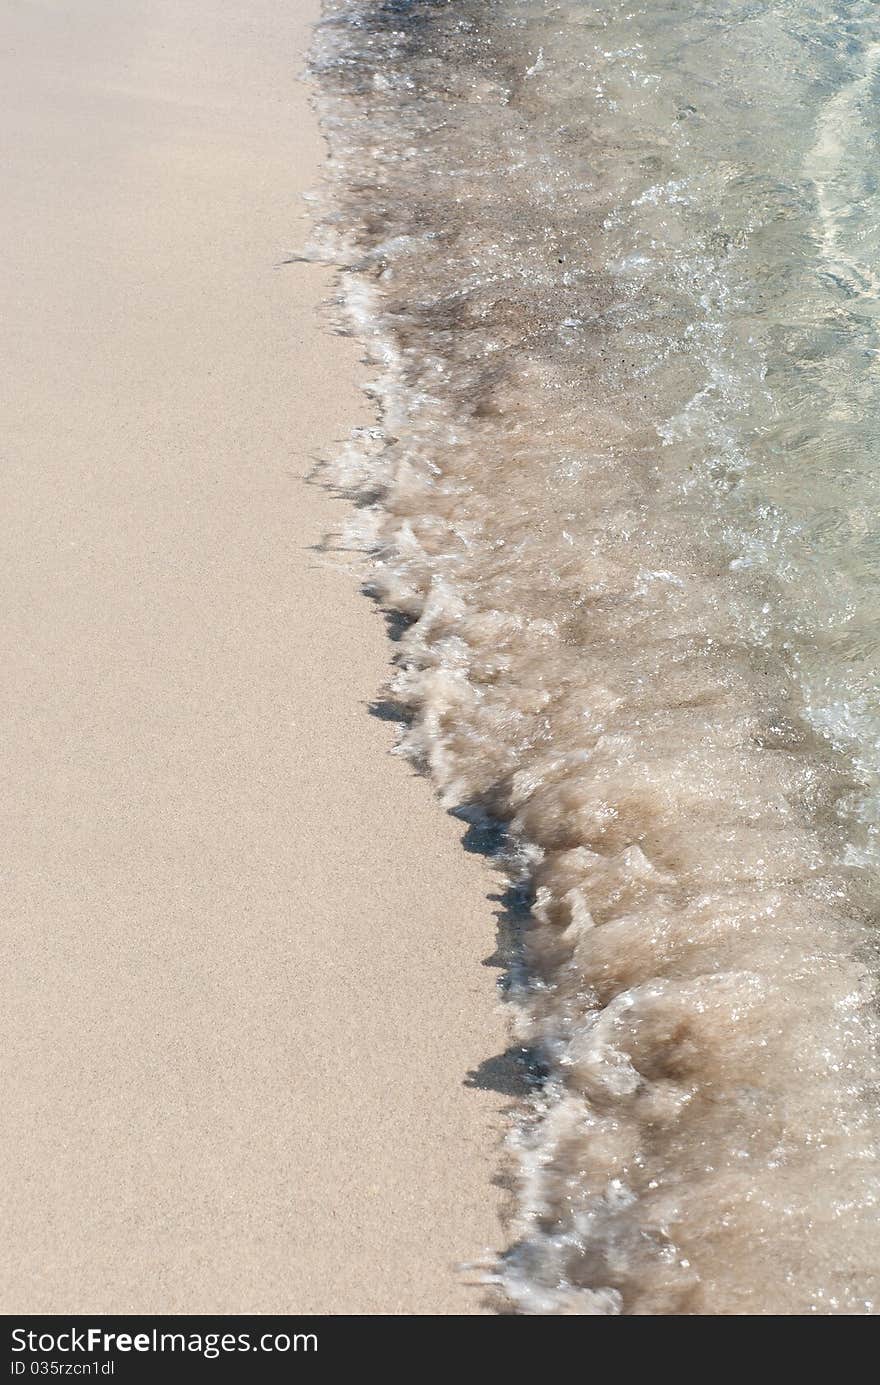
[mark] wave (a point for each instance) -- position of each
(623, 499)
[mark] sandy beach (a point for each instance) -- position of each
(244, 948)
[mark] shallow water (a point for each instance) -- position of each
(620, 268)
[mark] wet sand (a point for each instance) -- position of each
(244, 981)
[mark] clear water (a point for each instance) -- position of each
(619, 266)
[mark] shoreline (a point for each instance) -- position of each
(636, 622)
(246, 942)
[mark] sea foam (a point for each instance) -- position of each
(615, 267)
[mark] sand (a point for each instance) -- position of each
(243, 977)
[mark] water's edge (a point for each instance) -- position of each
(609, 634)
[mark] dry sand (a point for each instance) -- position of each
(244, 982)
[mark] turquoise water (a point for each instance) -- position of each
(619, 268)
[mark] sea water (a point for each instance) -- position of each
(619, 267)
